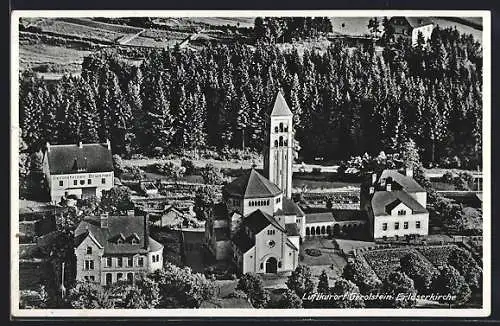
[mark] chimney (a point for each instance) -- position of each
(409, 172)
(108, 144)
(374, 178)
(80, 144)
(48, 147)
(388, 186)
(104, 221)
(372, 190)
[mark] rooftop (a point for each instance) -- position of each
(319, 217)
(252, 185)
(382, 201)
(292, 229)
(124, 227)
(280, 108)
(406, 183)
(258, 220)
(290, 208)
(87, 158)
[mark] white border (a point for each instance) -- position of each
(14, 260)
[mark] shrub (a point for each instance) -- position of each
(313, 252)
(188, 165)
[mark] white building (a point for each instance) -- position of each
(395, 205)
(115, 248)
(410, 27)
(80, 170)
(257, 225)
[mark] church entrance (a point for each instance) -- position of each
(271, 265)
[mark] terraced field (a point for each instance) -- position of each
(78, 30)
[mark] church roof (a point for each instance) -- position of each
(252, 185)
(258, 220)
(280, 108)
(87, 158)
(290, 208)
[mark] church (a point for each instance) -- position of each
(257, 225)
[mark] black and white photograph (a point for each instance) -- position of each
(250, 163)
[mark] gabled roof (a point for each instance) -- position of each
(258, 220)
(291, 245)
(124, 227)
(280, 108)
(252, 185)
(389, 207)
(89, 158)
(381, 199)
(419, 21)
(407, 184)
(290, 208)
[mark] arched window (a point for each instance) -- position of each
(313, 231)
(307, 231)
(318, 230)
(281, 126)
(276, 129)
(279, 264)
(275, 143)
(285, 142)
(286, 128)
(281, 141)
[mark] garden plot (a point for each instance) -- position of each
(77, 30)
(437, 255)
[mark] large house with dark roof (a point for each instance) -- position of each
(410, 27)
(115, 248)
(79, 170)
(257, 225)
(395, 204)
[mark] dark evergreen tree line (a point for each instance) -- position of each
(346, 101)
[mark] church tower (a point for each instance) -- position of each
(278, 152)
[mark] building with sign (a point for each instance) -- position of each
(78, 170)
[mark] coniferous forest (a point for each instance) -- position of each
(346, 100)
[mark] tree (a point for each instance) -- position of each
(409, 155)
(116, 201)
(171, 170)
(400, 286)
(117, 165)
(252, 285)
(323, 286)
(467, 266)
(450, 282)
(143, 294)
(181, 288)
(343, 287)
(373, 26)
(204, 200)
(211, 175)
(288, 300)
(300, 280)
(87, 295)
(418, 270)
(362, 275)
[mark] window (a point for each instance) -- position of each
(275, 143)
(417, 224)
(75, 182)
(140, 262)
(281, 141)
(281, 126)
(261, 265)
(289, 254)
(402, 212)
(92, 278)
(109, 261)
(271, 244)
(271, 232)
(89, 265)
(119, 262)
(154, 258)
(86, 278)
(298, 221)
(276, 129)
(279, 265)
(109, 278)
(103, 181)
(384, 226)
(82, 182)
(396, 226)
(405, 225)
(130, 277)
(130, 261)
(61, 183)
(285, 142)
(89, 250)
(119, 276)
(89, 181)
(134, 241)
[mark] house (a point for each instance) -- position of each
(410, 27)
(78, 170)
(395, 204)
(257, 225)
(113, 248)
(171, 216)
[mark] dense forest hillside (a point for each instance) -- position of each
(346, 100)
